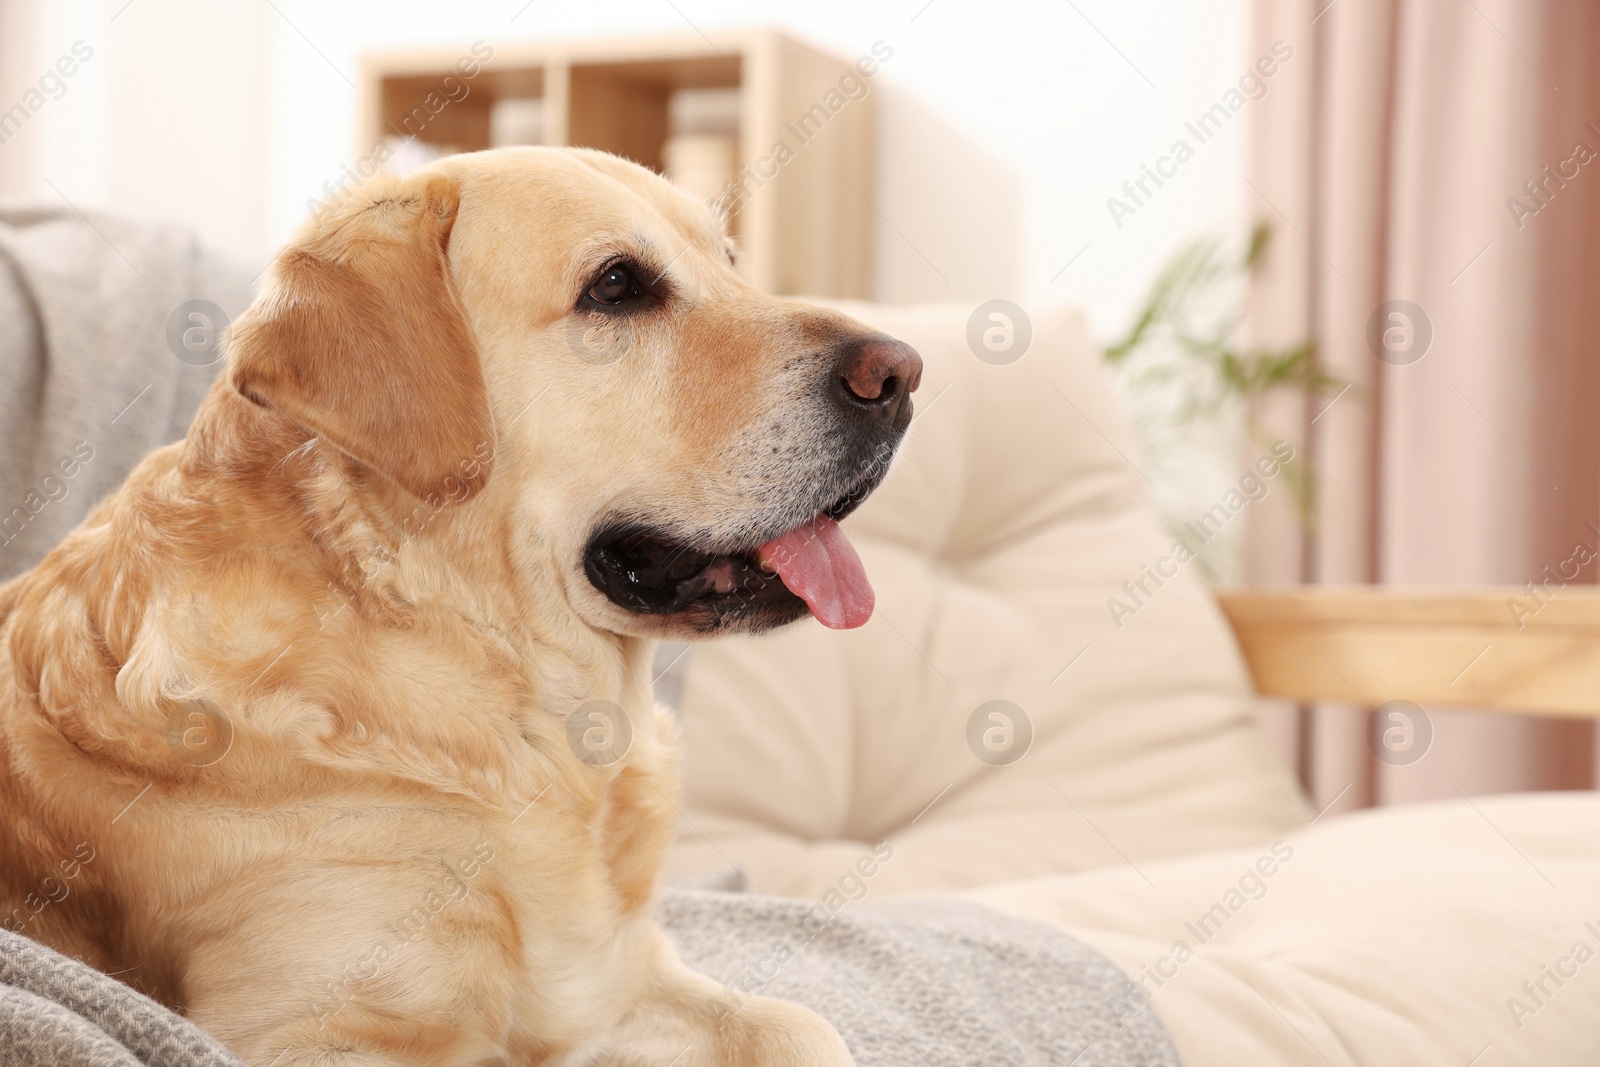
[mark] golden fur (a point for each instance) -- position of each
(361, 564)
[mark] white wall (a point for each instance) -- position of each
(229, 114)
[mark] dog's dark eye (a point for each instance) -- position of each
(616, 285)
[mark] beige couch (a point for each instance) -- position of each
(1126, 794)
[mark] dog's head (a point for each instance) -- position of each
(559, 337)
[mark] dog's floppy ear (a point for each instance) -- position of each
(361, 340)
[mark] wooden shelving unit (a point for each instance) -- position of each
(805, 226)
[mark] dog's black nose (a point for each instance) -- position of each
(877, 375)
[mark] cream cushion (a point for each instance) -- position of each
(1397, 937)
(1147, 812)
(1014, 512)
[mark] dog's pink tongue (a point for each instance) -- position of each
(820, 566)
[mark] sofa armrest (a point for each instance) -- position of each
(1495, 648)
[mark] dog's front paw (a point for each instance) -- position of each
(775, 1033)
(698, 1023)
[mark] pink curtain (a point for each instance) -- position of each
(1447, 156)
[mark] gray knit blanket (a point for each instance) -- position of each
(56, 1012)
(101, 360)
(104, 356)
(936, 983)
(907, 984)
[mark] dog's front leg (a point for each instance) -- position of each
(684, 1019)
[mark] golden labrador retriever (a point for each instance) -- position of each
(333, 727)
